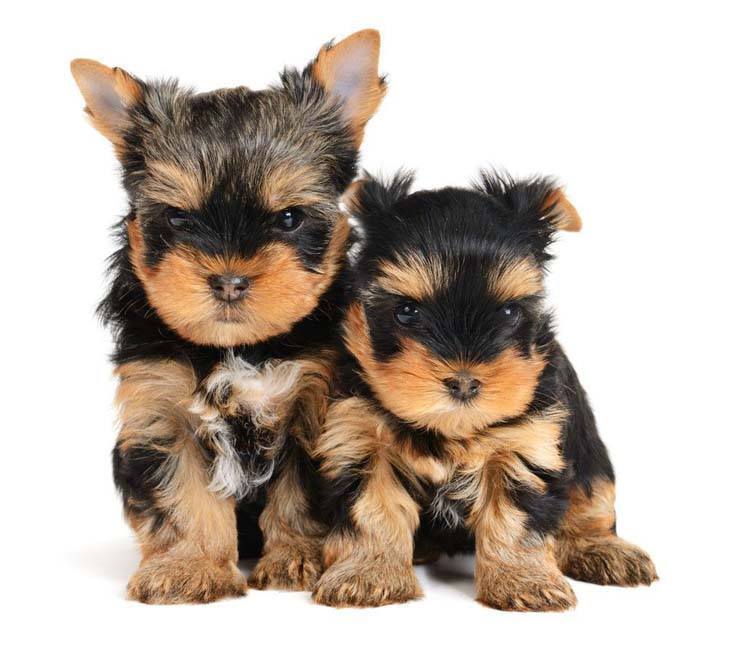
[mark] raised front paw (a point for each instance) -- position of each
(290, 568)
(525, 592)
(173, 580)
(607, 560)
(366, 583)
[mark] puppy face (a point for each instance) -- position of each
(235, 230)
(449, 318)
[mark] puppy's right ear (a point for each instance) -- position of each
(348, 70)
(109, 94)
(371, 200)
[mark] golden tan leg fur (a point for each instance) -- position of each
(515, 568)
(371, 566)
(187, 534)
(587, 547)
(292, 556)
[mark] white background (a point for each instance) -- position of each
(627, 103)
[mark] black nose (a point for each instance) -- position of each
(463, 386)
(228, 288)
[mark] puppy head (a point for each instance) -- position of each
(448, 323)
(234, 229)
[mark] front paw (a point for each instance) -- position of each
(540, 591)
(290, 568)
(366, 583)
(174, 580)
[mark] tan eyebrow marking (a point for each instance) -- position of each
(292, 184)
(514, 279)
(415, 277)
(168, 183)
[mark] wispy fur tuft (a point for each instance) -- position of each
(376, 198)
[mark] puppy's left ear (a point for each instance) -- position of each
(535, 203)
(562, 213)
(348, 71)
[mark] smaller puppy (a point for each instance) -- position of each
(461, 422)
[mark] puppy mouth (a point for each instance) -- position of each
(459, 405)
(229, 314)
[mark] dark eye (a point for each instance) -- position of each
(511, 313)
(289, 219)
(180, 220)
(407, 314)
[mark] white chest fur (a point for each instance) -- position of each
(263, 393)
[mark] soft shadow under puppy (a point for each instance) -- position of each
(457, 571)
(114, 560)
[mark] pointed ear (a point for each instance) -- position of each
(371, 200)
(348, 70)
(538, 200)
(565, 215)
(109, 94)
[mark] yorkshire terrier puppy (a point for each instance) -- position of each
(223, 301)
(460, 422)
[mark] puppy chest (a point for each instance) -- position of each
(447, 506)
(450, 500)
(243, 410)
(262, 392)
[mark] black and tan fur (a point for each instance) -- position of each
(225, 293)
(461, 424)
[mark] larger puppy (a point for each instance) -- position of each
(223, 299)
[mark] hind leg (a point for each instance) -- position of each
(425, 552)
(587, 547)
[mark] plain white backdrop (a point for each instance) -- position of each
(627, 103)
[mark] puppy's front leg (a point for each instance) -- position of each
(515, 565)
(292, 558)
(187, 534)
(368, 554)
